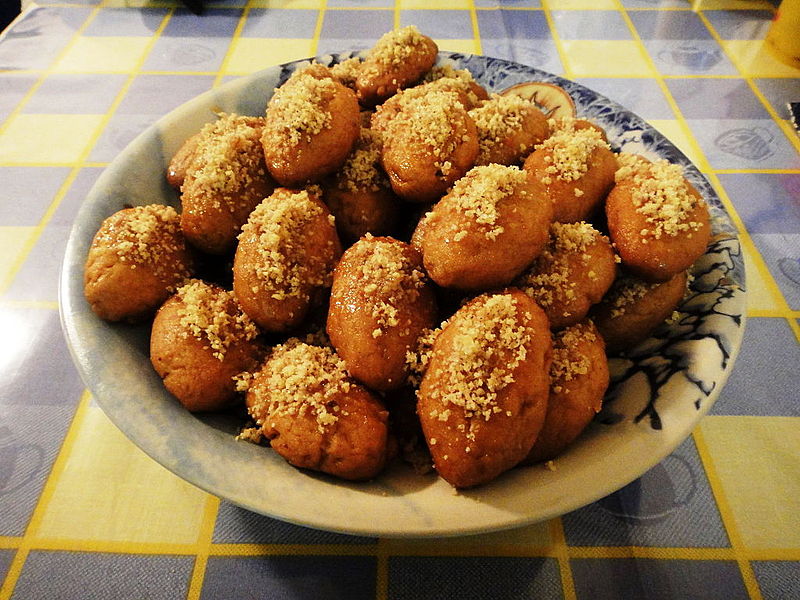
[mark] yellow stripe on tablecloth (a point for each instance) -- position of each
(476, 30)
(45, 72)
(15, 241)
(237, 32)
(54, 139)
(559, 44)
(204, 539)
(678, 132)
(562, 555)
(318, 29)
(728, 519)
(382, 570)
(110, 491)
(248, 55)
(654, 552)
(15, 568)
(7, 274)
(698, 154)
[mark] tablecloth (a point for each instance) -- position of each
(85, 514)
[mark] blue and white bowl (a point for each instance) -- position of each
(659, 391)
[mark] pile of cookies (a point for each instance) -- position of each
(392, 260)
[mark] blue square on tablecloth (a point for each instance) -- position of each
(79, 93)
(671, 505)
(744, 144)
(473, 577)
(689, 57)
(13, 88)
(159, 94)
(607, 578)
(781, 252)
(100, 575)
(764, 381)
(777, 579)
(440, 24)
(669, 25)
(740, 24)
(27, 192)
(126, 22)
(120, 131)
(708, 98)
(37, 278)
(214, 22)
(280, 23)
(541, 54)
(187, 54)
(57, 25)
(296, 577)
(641, 96)
(236, 525)
(779, 91)
(341, 45)
(755, 196)
(513, 24)
(356, 24)
(590, 25)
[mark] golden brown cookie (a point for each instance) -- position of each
(285, 258)
(381, 301)
(575, 168)
(316, 416)
(572, 273)
(399, 59)
(633, 308)
(200, 341)
(579, 378)
(486, 230)
(138, 257)
(658, 222)
(224, 182)
(311, 124)
(483, 397)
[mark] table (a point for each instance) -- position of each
(85, 514)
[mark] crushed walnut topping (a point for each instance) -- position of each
(229, 156)
(212, 315)
(361, 171)
(391, 278)
(429, 121)
(479, 193)
(299, 108)
(570, 150)
(489, 346)
(395, 47)
(568, 363)
(298, 380)
(279, 224)
(498, 119)
(663, 196)
(151, 236)
(549, 279)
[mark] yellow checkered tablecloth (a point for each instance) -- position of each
(85, 514)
